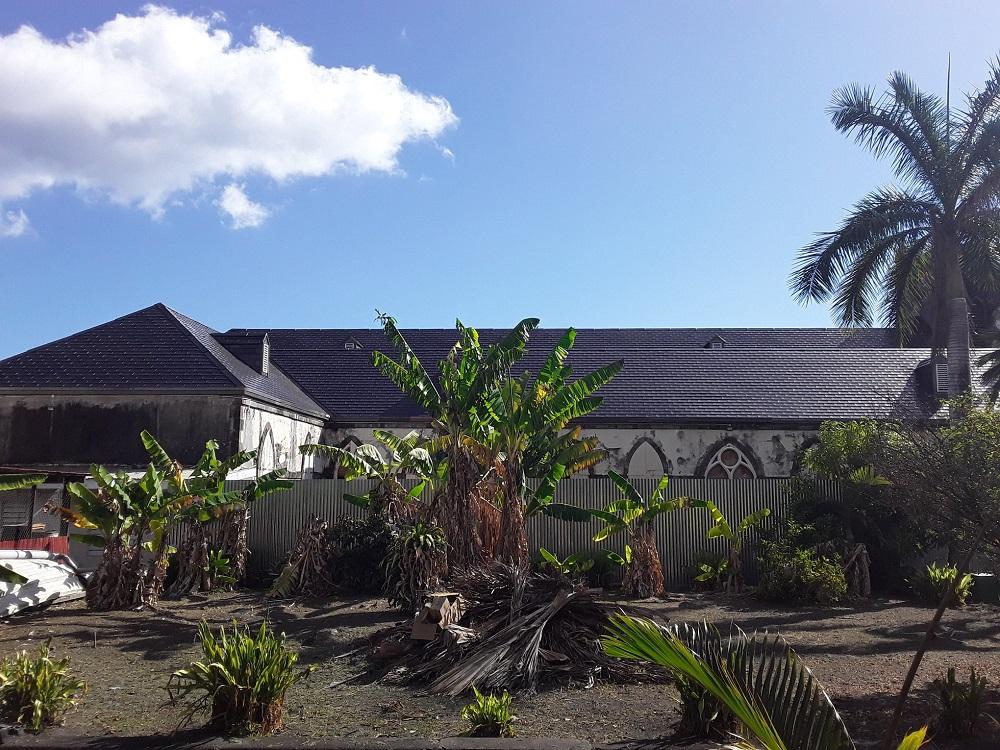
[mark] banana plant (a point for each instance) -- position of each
(455, 401)
(528, 434)
(407, 456)
(760, 680)
(215, 518)
(634, 515)
(721, 529)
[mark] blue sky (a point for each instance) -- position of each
(614, 164)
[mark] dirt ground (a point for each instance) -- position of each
(860, 654)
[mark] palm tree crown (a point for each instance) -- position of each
(907, 250)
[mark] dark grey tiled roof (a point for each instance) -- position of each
(155, 349)
(762, 375)
(789, 375)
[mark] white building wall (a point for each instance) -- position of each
(650, 452)
(277, 436)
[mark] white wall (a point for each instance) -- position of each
(277, 436)
(772, 451)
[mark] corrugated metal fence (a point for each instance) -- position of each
(680, 535)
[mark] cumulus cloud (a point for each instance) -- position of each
(243, 213)
(148, 109)
(13, 223)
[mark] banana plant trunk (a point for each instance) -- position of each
(192, 563)
(457, 510)
(229, 536)
(644, 576)
(513, 543)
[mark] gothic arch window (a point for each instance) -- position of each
(730, 462)
(348, 444)
(645, 460)
(266, 459)
(309, 440)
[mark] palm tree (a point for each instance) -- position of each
(914, 254)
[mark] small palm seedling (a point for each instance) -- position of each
(242, 679)
(961, 703)
(489, 715)
(711, 571)
(36, 691)
(935, 580)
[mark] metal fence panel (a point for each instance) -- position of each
(680, 536)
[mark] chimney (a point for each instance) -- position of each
(253, 348)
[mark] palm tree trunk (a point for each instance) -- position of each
(644, 577)
(957, 310)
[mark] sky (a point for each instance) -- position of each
(302, 164)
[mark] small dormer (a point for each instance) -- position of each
(253, 348)
(352, 344)
(716, 342)
(932, 375)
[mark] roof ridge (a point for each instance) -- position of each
(175, 317)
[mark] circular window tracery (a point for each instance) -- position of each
(729, 462)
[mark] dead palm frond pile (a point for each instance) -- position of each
(307, 571)
(517, 630)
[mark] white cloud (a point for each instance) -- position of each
(13, 223)
(150, 109)
(243, 212)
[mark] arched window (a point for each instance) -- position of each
(645, 460)
(308, 441)
(348, 445)
(266, 459)
(729, 462)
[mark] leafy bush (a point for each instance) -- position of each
(36, 691)
(961, 703)
(933, 582)
(793, 574)
(489, 715)
(358, 552)
(242, 680)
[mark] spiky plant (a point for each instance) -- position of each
(242, 679)
(36, 690)
(490, 715)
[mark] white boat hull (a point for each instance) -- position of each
(52, 578)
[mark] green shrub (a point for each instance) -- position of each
(36, 691)
(702, 714)
(358, 549)
(489, 715)
(961, 703)
(242, 680)
(933, 582)
(794, 574)
(415, 564)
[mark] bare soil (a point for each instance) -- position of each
(859, 653)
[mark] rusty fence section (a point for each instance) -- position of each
(681, 539)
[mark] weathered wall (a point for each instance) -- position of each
(78, 430)
(651, 452)
(277, 435)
